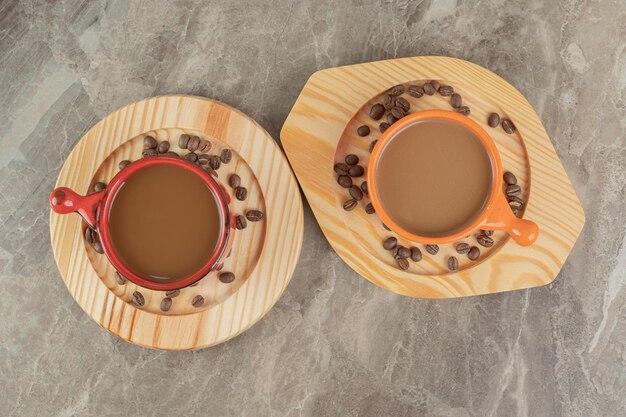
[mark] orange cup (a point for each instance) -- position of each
(496, 213)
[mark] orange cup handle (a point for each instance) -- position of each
(524, 232)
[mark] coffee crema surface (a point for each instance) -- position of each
(164, 222)
(434, 177)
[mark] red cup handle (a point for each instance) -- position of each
(64, 201)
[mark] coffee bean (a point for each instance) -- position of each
(345, 181)
(484, 240)
(508, 126)
(234, 180)
(389, 102)
(513, 190)
(390, 243)
(204, 146)
(493, 120)
(226, 277)
(429, 89)
(97, 246)
(191, 157)
(416, 91)
(456, 101)
(403, 104)
(462, 248)
(149, 142)
(369, 208)
(436, 84)
(138, 299)
(432, 249)
(349, 205)
(373, 144)
(377, 111)
(486, 232)
(363, 130)
(197, 301)
(166, 303)
(364, 187)
(391, 119)
(403, 264)
(172, 293)
(193, 144)
(220, 267)
(210, 170)
(254, 215)
(123, 164)
(240, 222)
(356, 171)
(509, 178)
(397, 90)
(453, 263)
(400, 252)
(172, 154)
(383, 126)
(149, 152)
(356, 193)
(517, 212)
(215, 162)
(398, 113)
(119, 278)
(446, 90)
(163, 147)
(473, 253)
(352, 159)
(341, 168)
(99, 186)
(241, 193)
(90, 236)
(516, 204)
(226, 156)
(416, 254)
(183, 141)
(464, 110)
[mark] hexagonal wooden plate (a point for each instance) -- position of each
(321, 129)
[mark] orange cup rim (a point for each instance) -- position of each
(490, 147)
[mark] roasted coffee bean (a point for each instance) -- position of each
(197, 301)
(508, 126)
(172, 154)
(516, 204)
(123, 164)
(432, 249)
(403, 264)
(163, 147)
(345, 181)
(90, 236)
(364, 187)
(390, 243)
(215, 162)
(193, 144)
(456, 101)
(226, 277)
(373, 144)
(391, 119)
(211, 171)
(240, 222)
(486, 232)
(398, 113)
(509, 178)
(183, 141)
(403, 104)
(389, 102)
(356, 171)
(416, 91)
(383, 126)
(149, 152)
(341, 168)
(429, 89)
(377, 111)
(462, 248)
(166, 303)
(149, 142)
(493, 120)
(453, 263)
(369, 208)
(446, 90)
(97, 246)
(513, 190)
(473, 253)
(99, 186)
(363, 130)
(517, 212)
(349, 205)
(241, 193)
(416, 254)
(220, 267)
(356, 193)
(226, 156)
(397, 90)
(204, 146)
(436, 84)
(138, 299)
(484, 240)
(254, 215)
(400, 252)
(352, 159)
(464, 110)
(119, 278)
(172, 293)
(234, 180)
(191, 157)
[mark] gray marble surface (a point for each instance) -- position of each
(334, 345)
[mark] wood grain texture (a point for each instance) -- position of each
(321, 128)
(261, 275)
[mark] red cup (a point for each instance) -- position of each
(95, 208)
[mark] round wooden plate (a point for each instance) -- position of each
(261, 275)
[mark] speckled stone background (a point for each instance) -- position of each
(334, 345)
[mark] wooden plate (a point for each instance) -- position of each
(261, 275)
(321, 130)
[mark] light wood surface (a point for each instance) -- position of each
(321, 130)
(264, 254)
